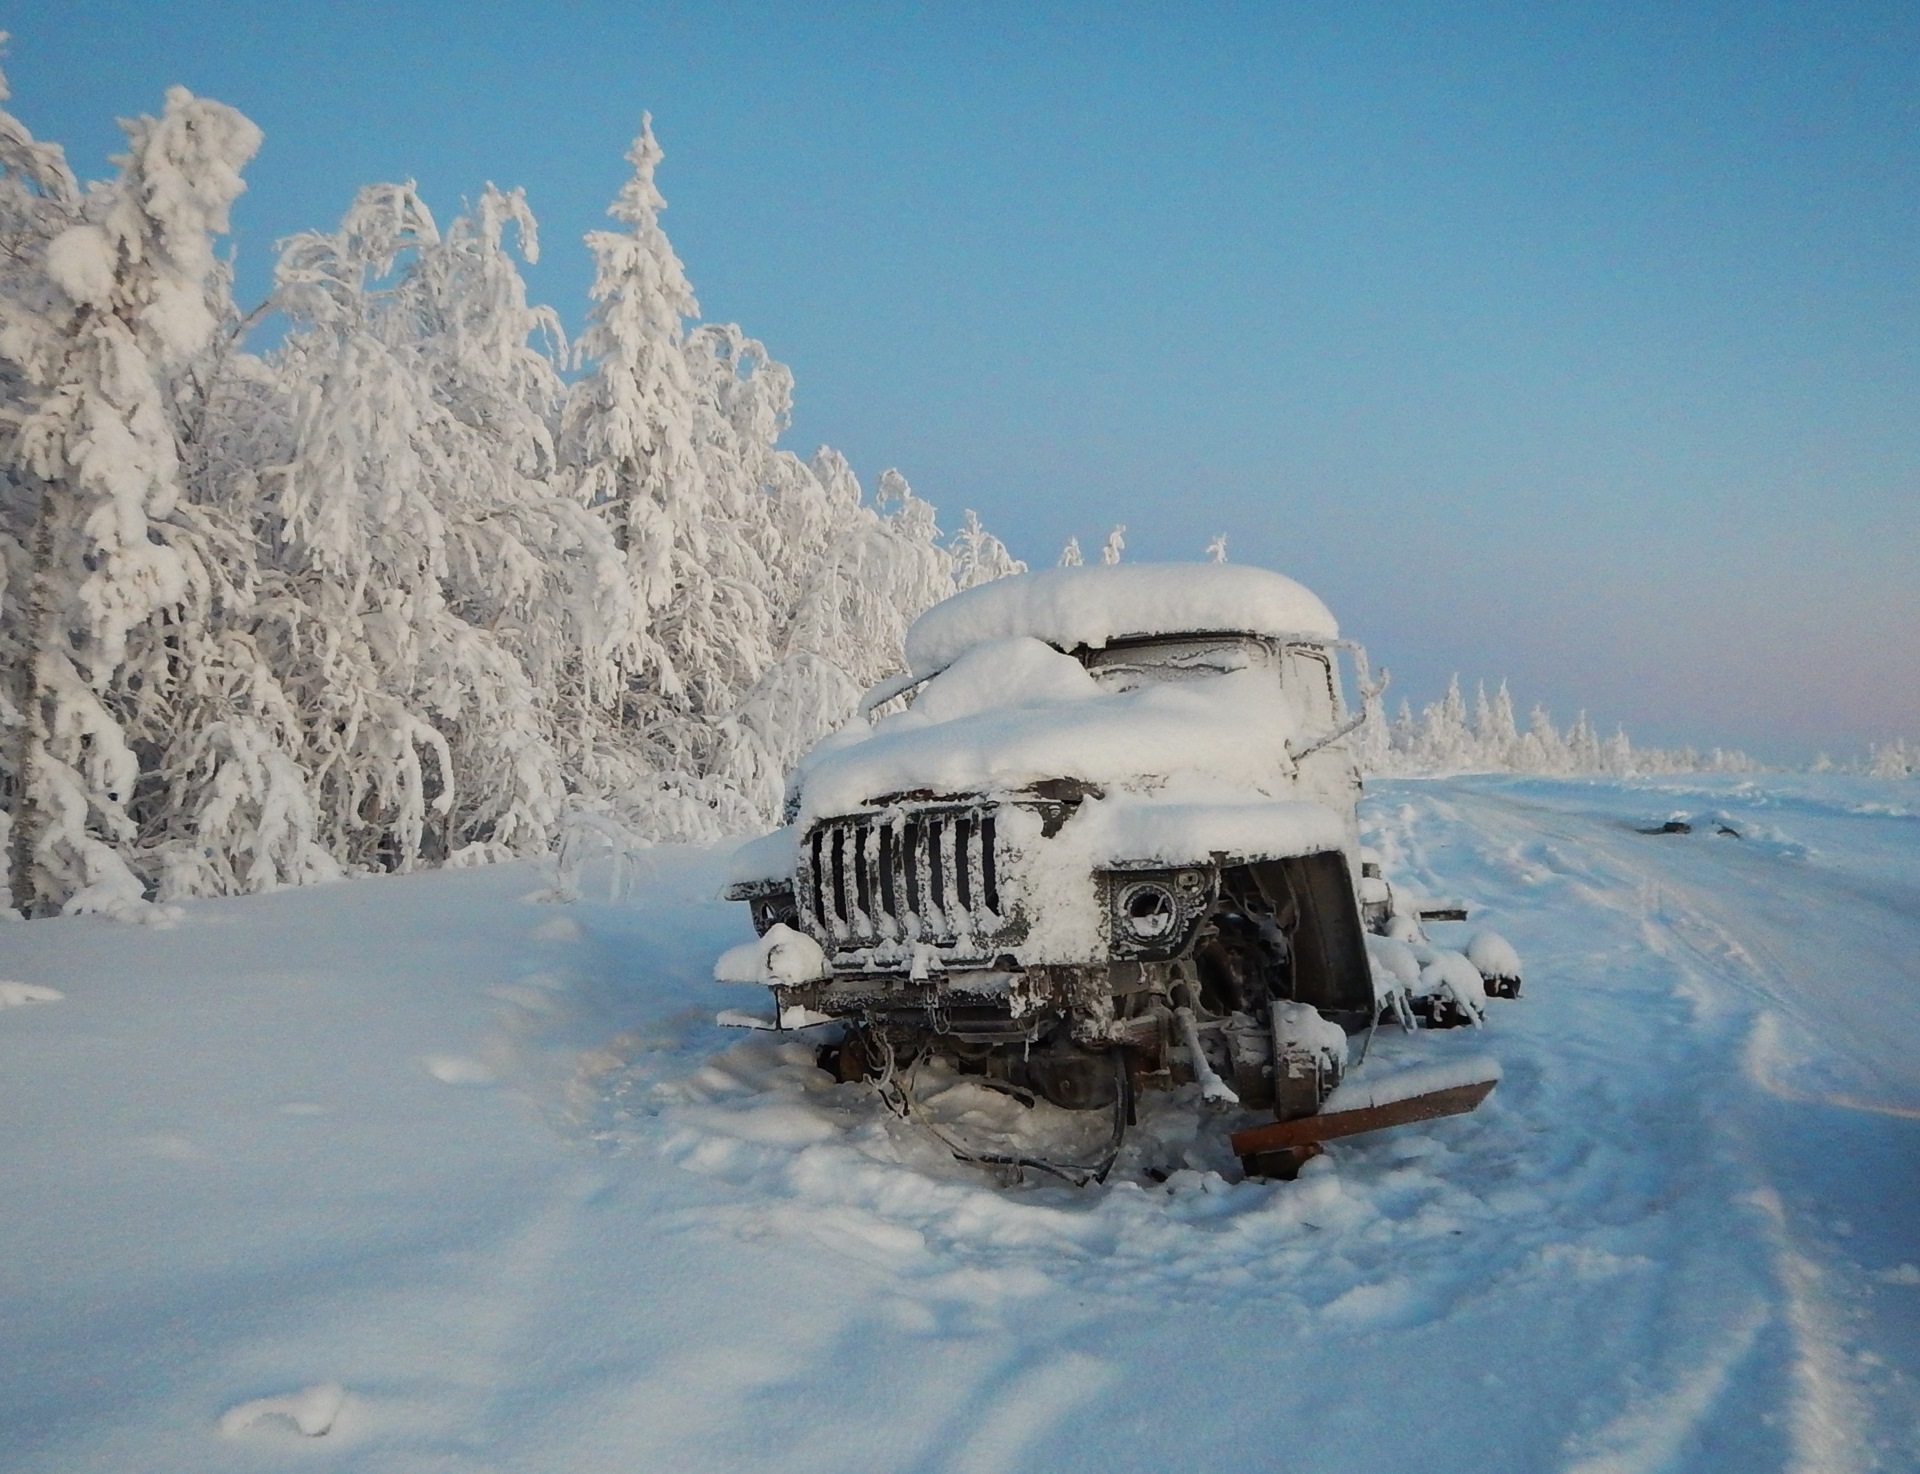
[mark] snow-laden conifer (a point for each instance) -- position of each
(630, 426)
(150, 736)
(417, 445)
(978, 556)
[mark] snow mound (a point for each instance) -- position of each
(1394, 960)
(1002, 675)
(782, 956)
(768, 857)
(1493, 955)
(311, 1412)
(1093, 606)
(81, 262)
(1448, 974)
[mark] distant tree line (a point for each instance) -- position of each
(1449, 737)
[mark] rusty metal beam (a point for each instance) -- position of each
(1454, 1101)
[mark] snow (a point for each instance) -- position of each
(1449, 974)
(1003, 675)
(80, 263)
(782, 956)
(1073, 606)
(1678, 1236)
(1301, 1029)
(1493, 955)
(767, 857)
(1359, 1095)
(1230, 728)
(1152, 831)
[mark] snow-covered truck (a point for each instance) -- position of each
(1103, 839)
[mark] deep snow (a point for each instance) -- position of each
(418, 1174)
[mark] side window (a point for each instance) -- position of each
(1308, 682)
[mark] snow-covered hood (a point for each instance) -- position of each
(1013, 712)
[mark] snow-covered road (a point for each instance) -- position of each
(481, 1179)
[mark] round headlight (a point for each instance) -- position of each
(1148, 911)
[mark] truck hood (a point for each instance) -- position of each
(1015, 712)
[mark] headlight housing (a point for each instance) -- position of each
(1153, 912)
(1147, 912)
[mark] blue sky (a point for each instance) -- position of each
(1573, 344)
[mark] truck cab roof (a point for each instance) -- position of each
(1090, 608)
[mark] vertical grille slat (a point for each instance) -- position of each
(889, 859)
(932, 877)
(819, 903)
(914, 837)
(989, 869)
(862, 919)
(937, 903)
(839, 860)
(962, 855)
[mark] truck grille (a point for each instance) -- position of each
(929, 876)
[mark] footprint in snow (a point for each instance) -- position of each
(14, 994)
(311, 1413)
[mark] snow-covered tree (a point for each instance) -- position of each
(978, 556)
(1542, 748)
(1115, 545)
(147, 731)
(424, 731)
(630, 438)
(1217, 549)
(1070, 554)
(393, 593)
(1501, 737)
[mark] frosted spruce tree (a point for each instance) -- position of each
(978, 556)
(631, 433)
(406, 505)
(525, 561)
(149, 749)
(860, 574)
(766, 593)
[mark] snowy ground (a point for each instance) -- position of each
(451, 1180)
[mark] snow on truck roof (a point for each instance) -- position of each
(1071, 607)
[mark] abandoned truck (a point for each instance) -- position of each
(1101, 838)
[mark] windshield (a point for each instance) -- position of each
(1121, 667)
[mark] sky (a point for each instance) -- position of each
(1572, 345)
